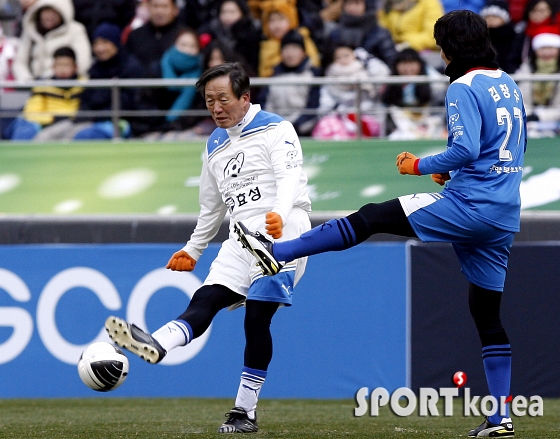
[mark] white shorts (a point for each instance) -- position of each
(236, 268)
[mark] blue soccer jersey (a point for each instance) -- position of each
(486, 143)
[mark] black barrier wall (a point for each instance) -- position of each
(28, 229)
(444, 338)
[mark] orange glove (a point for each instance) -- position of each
(274, 224)
(408, 163)
(441, 178)
(181, 261)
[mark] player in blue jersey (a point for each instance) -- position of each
(478, 211)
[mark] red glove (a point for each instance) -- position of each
(441, 178)
(181, 261)
(274, 224)
(408, 163)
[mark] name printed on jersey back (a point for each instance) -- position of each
(507, 124)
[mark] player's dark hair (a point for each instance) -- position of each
(66, 52)
(463, 36)
(237, 75)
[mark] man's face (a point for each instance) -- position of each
(226, 109)
(162, 12)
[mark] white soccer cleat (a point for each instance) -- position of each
(134, 339)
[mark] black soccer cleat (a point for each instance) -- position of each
(487, 429)
(260, 247)
(135, 340)
(238, 422)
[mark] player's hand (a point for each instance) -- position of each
(181, 261)
(441, 178)
(405, 163)
(274, 224)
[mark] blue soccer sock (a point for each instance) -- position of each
(497, 366)
(333, 235)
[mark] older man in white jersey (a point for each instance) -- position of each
(252, 169)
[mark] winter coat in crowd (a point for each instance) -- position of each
(122, 65)
(242, 37)
(148, 44)
(177, 65)
(91, 13)
(412, 22)
(364, 31)
(34, 57)
(289, 100)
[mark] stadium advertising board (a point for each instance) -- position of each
(347, 328)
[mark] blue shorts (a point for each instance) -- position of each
(276, 288)
(483, 250)
(236, 268)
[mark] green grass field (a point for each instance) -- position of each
(179, 418)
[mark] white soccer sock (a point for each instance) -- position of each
(249, 390)
(172, 335)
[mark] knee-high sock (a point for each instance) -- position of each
(336, 234)
(343, 233)
(484, 305)
(258, 353)
(497, 366)
(249, 390)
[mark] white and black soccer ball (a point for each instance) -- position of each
(103, 366)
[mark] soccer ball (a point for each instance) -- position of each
(103, 366)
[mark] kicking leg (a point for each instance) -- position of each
(205, 304)
(334, 235)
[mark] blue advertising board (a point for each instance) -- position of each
(346, 330)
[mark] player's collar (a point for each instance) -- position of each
(456, 69)
(249, 116)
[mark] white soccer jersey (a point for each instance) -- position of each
(248, 170)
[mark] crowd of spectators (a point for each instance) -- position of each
(103, 39)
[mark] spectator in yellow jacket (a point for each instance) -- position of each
(278, 18)
(411, 22)
(49, 104)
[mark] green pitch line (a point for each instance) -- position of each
(116, 418)
(146, 178)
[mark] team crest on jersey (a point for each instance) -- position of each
(233, 167)
(292, 154)
(453, 118)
